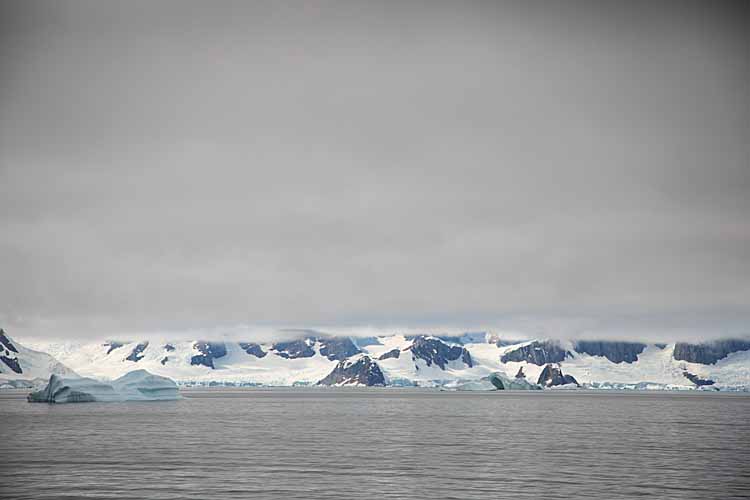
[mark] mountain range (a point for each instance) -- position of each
(314, 358)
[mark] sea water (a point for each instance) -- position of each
(380, 444)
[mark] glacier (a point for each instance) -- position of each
(138, 385)
(404, 360)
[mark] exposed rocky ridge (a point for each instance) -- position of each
(337, 348)
(208, 352)
(112, 345)
(137, 352)
(392, 354)
(708, 353)
(9, 353)
(333, 348)
(552, 375)
(11, 362)
(538, 352)
(616, 352)
(363, 371)
(6, 342)
(301, 348)
(699, 382)
(253, 349)
(433, 350)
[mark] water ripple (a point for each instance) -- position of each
(303, 444)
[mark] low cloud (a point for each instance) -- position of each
(352, 168)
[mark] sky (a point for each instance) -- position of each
(572, 168)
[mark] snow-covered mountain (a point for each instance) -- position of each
(19, 363)
(422, 360)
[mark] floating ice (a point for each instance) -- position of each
(138, 385)
(497, 382)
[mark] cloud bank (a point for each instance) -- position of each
(582, 167)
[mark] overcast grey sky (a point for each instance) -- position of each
(558, 168)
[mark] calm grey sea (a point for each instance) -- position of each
(387, 443)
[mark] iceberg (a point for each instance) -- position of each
(472, 385)
(497, 382)
(138, 385)
(501, 382)
(74, 390)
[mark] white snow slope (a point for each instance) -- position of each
(655, 365)
(32, 363)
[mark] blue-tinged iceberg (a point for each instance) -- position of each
(74, 390)
(495, 382)
(138, 385)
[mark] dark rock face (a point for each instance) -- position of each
(466, 358)
(661, 346)
(520, 373)
(393, 353)
(337, 348)
(538, 352)
(6, 348)
(5, 342)
(253, 349)
(616, 352)
(12, 363)
(208, 352)
(137, 354)
(433, 350)
(113, 345)
(333, 348)
(697, 380)
(364, 371)
(709, 353)
(296, 348)
(168, 347)
(552, 375)
(164, 360)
